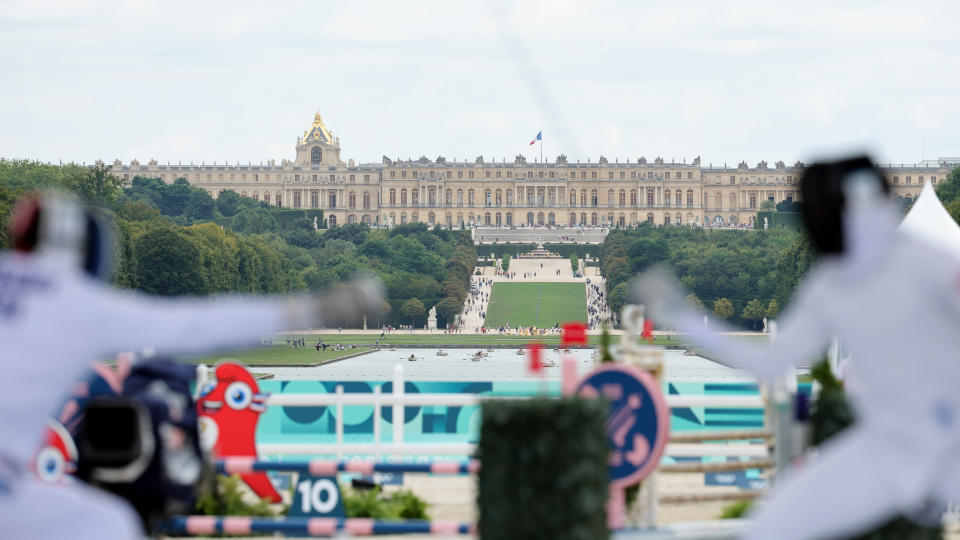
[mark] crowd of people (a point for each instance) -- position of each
(597, 310)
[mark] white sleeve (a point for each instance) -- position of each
(128, 321)
(802, 336)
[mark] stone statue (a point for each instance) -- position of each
(314, 222)
(765, 325)
(765, 223)
(433, 314)
(432, 319)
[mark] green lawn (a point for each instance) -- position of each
(536, 304)
(280, 354)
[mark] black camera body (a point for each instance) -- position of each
(143, 445)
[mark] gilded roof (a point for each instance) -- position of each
(317, 132)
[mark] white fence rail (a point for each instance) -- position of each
(399, 399)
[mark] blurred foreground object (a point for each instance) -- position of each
(544, 472)
(57, 316)
(901, 454)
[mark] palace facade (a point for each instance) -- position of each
(509, 193)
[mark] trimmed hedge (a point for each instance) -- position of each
(286, 216)
(544, 472)
(780, 220)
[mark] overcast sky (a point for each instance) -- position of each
(226, 81)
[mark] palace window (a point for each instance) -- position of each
(593, 197)
(486, 175)
(460, 174)
(403, 174)
(689, 197)
(403, 197)
(352, 200)
(366, 179)
(733, 179)
(415, 197)
(353, 179)
(470, 198)
(622, 175)
(593, 175)
(666, 197)
(393, 197)
(296, 199)
(610, 175)
(623, 197)
(666, 175)
(314, 199)
(393, 174)
(366, 200)
(690, 175)
(498, 174)
(316, 155)
(633, 197)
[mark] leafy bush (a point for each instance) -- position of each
(544, 471)
(227, 499)
(736, 510)
(371, 503)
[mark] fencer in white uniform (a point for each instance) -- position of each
(56, 317)
(894, 302)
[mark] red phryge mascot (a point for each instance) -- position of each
(229, 407)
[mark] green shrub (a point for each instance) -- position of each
(371, 503)
(544, 472)
(736, 510)
(227, 499)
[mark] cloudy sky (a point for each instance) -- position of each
(230, 81)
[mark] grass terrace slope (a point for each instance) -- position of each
(536, 304)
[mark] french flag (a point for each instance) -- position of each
(539, 138)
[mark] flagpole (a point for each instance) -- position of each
(541, 146)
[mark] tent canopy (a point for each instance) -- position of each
(930, 221)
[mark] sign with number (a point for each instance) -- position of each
(638, 423)
(317, 496)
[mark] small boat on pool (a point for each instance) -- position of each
(520, 352)
(412, 358)
(442, 352)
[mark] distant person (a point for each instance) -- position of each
(901, 455)
(54, 281)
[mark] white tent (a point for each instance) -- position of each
(929, 220)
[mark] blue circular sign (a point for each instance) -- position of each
(637, 425)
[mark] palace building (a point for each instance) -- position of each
(509, 193)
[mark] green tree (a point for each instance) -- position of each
(754, 311)
(723, 308)
(95, 184)
(505, 262)
(448, 309)
(168, 263)
(574, 262)
(695, 302)
(617, 297)
(412, 309)
(228, 202)
(773, 309)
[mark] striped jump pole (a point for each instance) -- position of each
(322, 467)
(241, 525)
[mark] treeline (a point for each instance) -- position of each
(739, 276)
(176, 239)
